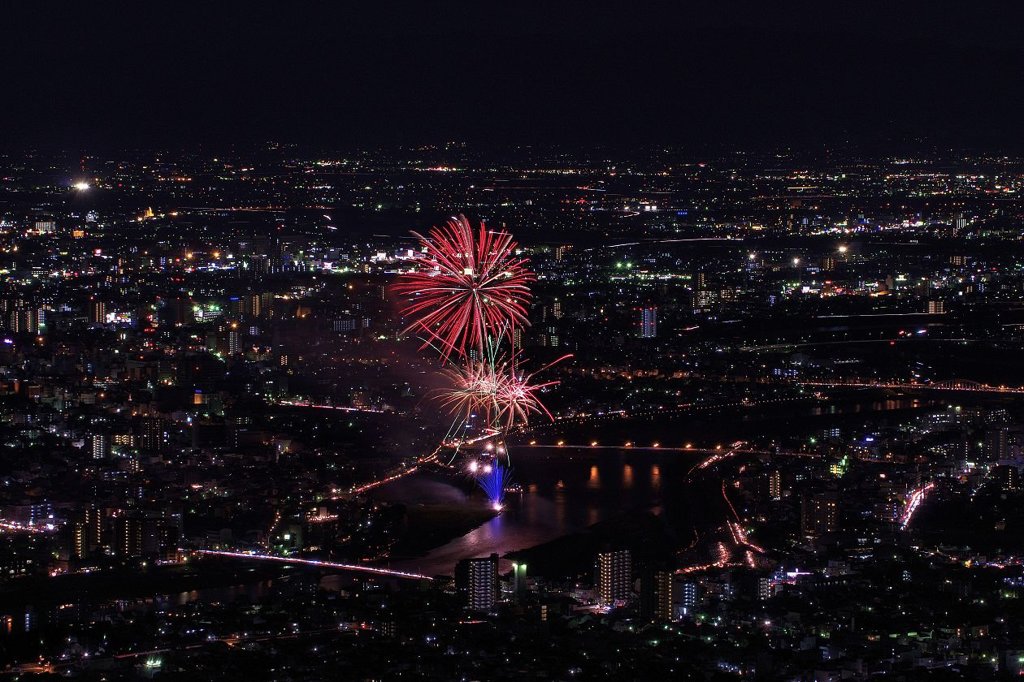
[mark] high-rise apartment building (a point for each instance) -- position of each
(477, 579)
(614, 574)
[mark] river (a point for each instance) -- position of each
(567, 489)
(563, 491)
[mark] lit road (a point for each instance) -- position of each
(359, 490)
(338, 408)
(661, 410)
(15, 527)
(914, 501)
(357, 568)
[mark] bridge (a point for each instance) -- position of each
(957, 385)
(318, 563)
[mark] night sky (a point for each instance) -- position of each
(719, 73)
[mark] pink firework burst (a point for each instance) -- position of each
(474, 389)
(465, 286)
(517, 395)
(497, 390)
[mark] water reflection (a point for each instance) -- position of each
(577, 487)
(562, 495)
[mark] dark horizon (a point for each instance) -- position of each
(802, 77)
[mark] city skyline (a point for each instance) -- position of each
(478, 342)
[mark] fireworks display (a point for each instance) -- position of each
(497, 391)
(465, 287)
(474, 390)
(493, 484)
(517, 395)
(466, 295)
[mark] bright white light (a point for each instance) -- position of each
(488, 469)
(81, 186)
(842, 248)
(473, 466)
(497, 506)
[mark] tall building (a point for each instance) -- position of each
(657, 595)
(152, 435)
(148, 534)
(689, 597)
(614, 575)
(1007, 476)
(556, 309)
(995, 445)
(819, 514)
(477, 579)
(518, 581)
(86, 532)
(100, 445)
(127, 539)
(259, 265)
(648, 322)
(97, 312)
(775, 484)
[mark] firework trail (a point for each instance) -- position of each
(465, 287)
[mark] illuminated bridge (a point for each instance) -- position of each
(962, 385)
(358, 568)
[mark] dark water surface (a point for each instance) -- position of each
(567, 489)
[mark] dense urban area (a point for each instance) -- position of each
(787, 444)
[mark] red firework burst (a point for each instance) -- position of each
(465, 287)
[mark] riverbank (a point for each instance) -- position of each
(428, 526)
(645, 534)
